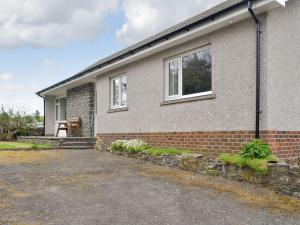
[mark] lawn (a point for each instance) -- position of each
(21, 145)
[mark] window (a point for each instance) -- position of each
(118, 92)
(60, 109)
(189, 75)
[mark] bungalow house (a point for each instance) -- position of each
(210, 83)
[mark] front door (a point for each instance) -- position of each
(60, 114)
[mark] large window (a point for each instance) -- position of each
(118, 92)
(189, 75)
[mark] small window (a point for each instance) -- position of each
(118, 92)
(189, 75)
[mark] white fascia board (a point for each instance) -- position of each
(223, 21)
(282, 2)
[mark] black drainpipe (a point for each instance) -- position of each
(44, 120)
(258, 34)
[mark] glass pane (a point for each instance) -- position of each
(56, 112)
(116, 92)
(196, 73)
(173, 77)
(63, 108)
(123, 91)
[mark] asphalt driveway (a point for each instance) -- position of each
(91, 188)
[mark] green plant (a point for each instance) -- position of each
(117, 145)
(131, 146)
(259, 165)
(16, 123)
(165, 151)
(256, 149)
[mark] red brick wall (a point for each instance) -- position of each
(285, 144)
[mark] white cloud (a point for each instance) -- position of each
(49, 62)
(49, 23)
(146, 17)
(16, 92)
(6, 77)
(20, 96)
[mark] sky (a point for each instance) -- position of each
(45, 41)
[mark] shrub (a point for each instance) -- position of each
(135, 146)
(256, 149)
(254, 155)
(259, 165)
(15, 123)
(131, 146)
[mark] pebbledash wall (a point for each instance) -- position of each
(80, 103)
(224, 122)
(49, 115)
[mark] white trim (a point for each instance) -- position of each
(221, 22)
(117, 77)
(179, 58)
(282, 2)
(167, 79)
(57, 120)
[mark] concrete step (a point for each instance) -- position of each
(76, 147)
(81, 143)
(77, 139)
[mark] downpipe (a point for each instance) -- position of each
(258, 69)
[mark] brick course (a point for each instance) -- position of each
(284, 144)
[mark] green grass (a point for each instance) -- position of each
(165, 151)
(258, 165)
(21, 145)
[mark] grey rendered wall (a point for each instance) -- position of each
(284, 68)
(49, 115)
(80, 103)
(233, 57)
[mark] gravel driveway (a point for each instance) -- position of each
(95, 188)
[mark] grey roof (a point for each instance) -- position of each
(160, 37)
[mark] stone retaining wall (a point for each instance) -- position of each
(53, 142)
(281, 177)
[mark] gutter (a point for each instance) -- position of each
(258, 67)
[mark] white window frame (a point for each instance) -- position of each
(179, 60)
(58, 105)
(119, 106)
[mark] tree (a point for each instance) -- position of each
(38, 116)
(11, 122)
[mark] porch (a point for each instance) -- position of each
(78, 102)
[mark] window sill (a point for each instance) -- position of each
(117, 110)
(191, 99)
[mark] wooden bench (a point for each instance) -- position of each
(62, 126)
(73, 123)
